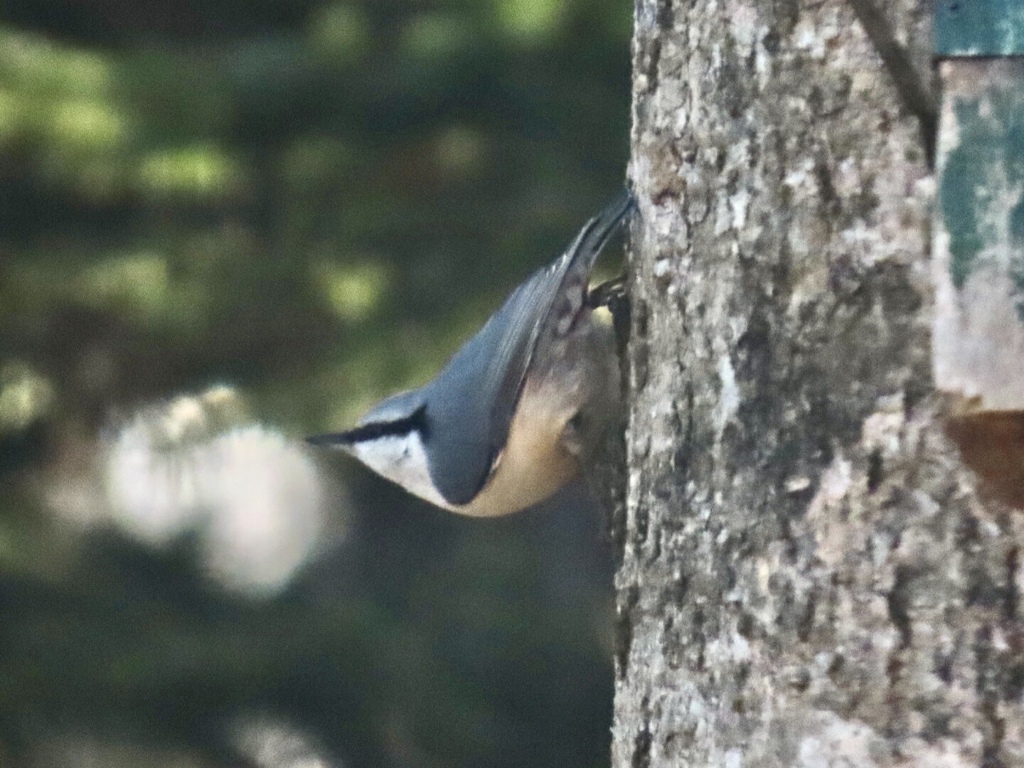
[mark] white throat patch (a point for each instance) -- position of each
(401, 459)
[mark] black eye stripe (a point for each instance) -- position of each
(361, 434)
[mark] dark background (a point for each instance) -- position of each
(225, 225)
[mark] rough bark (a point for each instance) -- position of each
(810, 576)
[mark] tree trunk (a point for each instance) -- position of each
(810, 576)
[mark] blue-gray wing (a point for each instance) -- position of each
(472, 401)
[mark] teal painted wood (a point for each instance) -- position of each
(982, 178)
(978, 247)
(979, 27)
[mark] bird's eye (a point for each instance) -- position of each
(576, 422)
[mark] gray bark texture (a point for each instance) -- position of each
(810, 575)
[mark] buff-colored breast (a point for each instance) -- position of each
(534, 463)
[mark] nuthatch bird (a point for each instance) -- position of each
(516, 412)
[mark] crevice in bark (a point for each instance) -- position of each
(806, 624)
(875, 470)
(989, 700)
(911, 84)
(624, 618)
(663, 20)
(642, 740)
(1012, 604)
(898, 602)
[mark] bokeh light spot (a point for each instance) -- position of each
(24, 396)
(197, 171)
(138, 283)
(435, 35)
(353, 291)
(86, 125)
(530, 21)
(339, 31)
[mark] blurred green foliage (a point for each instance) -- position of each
(314, 202)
